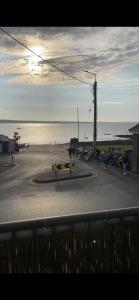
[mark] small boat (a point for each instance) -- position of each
(18, 128)
(107, 133)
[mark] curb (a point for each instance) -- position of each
(62, 179)
(10, 169)
(1, 166)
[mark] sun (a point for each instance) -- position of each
(33, 59)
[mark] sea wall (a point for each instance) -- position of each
(110, 142)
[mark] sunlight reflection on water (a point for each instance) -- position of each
(54, 133)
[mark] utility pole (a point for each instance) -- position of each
(78, 122)
(95, 110)
(95, 114)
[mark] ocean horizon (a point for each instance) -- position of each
(35, 121)
(61, 132)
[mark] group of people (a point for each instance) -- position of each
(112, 156)
(21, 146)
(78, 152)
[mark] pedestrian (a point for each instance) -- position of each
(97, 154)
(73, 152)
(81, 150)
(113, 157)
(70, 151)
(110, 156)
(125, 162)
(77, 152)
(106, 159)
(102, 155)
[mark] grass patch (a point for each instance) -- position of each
(106, 147)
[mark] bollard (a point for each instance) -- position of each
(54, 169)
(12, 159)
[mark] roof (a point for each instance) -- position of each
(3, 138)
(134, 129)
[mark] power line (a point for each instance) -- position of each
(120, 82)
(117, 91)
(53, 65)
(119, 87)
(122, 85)
(113, 86)
(120, 90)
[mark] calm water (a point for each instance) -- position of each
(51, 133)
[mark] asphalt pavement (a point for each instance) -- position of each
(21, 198)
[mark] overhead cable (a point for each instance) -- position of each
(53, 65)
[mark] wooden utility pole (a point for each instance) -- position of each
(78, 122)
(95, 114)
(95, 110)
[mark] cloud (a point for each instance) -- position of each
(49, 31)
(99, 49)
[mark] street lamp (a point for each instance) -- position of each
(95, 109)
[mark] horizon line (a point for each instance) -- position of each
(36, 121)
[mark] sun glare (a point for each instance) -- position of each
(33, 59)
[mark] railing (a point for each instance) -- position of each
(106, 216)
(105, 241)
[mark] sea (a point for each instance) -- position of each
(62, 132)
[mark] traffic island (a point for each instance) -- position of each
(49, 176)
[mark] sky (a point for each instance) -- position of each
(33, 89)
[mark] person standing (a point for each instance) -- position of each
(125, 163)
(81, 152)
(97, 154)
(73, 152)
(70, 151)
(106, 159)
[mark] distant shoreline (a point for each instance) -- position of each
(89, 143)
(55, 122)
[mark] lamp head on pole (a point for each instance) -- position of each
(90, 73)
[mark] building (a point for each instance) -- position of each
(7, 145)
(12, 146)
(135, 154)
(4, 143)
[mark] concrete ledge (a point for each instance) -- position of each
(39, 179)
